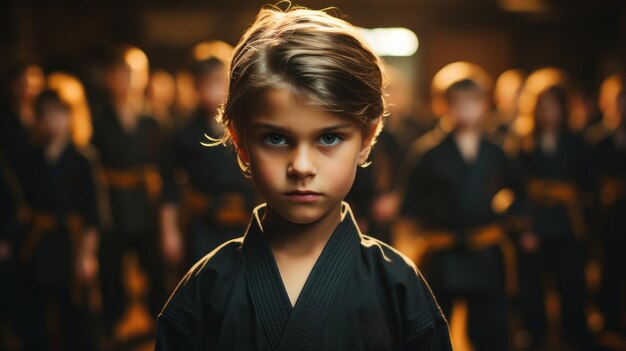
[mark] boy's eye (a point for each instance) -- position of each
(329, 139)
(274, 139)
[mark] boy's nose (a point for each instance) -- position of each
(302, 164)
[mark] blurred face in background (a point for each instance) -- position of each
(161, 89)
(117, 80)
(549, 112)
(467, 107)
(28, 84)
(54, 121)
(212, 88)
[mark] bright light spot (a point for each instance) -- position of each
(136, 58)
(213, 48)
(391, 41)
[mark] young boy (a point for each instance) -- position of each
(61, 235)
(129, 144)
(304, 106)
(456, 203)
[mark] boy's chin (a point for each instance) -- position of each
(301, 214)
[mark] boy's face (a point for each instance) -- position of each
(548, 111)
(212, 89)
(303, 160)
(118, 79)
(54, 121)
(467, 107)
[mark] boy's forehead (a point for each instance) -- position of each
(473, 93)
(283, 108)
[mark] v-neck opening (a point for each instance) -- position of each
(268, 291)
(314, 269)
(457, 150)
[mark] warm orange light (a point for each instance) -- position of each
(71, 90)
(607, 100)
(455, 72)
(213, 48)
(536, 82)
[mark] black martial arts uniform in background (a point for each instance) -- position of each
(555, 182)
(62, 203)
(214, 198)
(360, 295)
(610, 161)
(129, 160)
(452, 200)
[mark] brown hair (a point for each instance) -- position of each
(319, 58)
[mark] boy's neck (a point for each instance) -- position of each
(54, 148)
(299, 240)
(467, 139)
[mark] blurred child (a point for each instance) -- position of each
(557, 166)
(453, 204)
(212, 206)
(610, 156)
(58, 252)
(129, 144)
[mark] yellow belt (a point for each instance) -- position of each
(552, 192)
(611, 190)
(138, 178)
(480, 238)
(43, 222)
(231, 211)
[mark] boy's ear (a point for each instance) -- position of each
(241, 150)
(366, 146)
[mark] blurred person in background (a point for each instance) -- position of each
(457, 198)
(160, 98)
(22, 84)
(372, 195)
(557, 168)
(505, 96)
(129, 144)
(57, 255)
(202, 207)
(17, 116)
(610, 158)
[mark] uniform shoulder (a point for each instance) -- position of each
(405, 287)
(196, 291)
(389, 257)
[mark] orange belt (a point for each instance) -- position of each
(43, 222)
(480, 238)
(547, 192)
(137, 178)
(612, 189)
(231, 211)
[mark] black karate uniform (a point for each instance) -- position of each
(610, 163)
(446, 193)
(561, 250)
(360, 295)
(133, 210)
(16, 143)
(222, 196)
(62, 191)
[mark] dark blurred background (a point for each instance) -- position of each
(586, 38)
(583, 43)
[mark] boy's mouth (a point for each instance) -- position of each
(303, 195)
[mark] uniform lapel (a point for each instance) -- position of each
(304, 328)
(269, 297)
(299, 327)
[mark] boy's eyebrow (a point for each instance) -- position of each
(287, 131)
